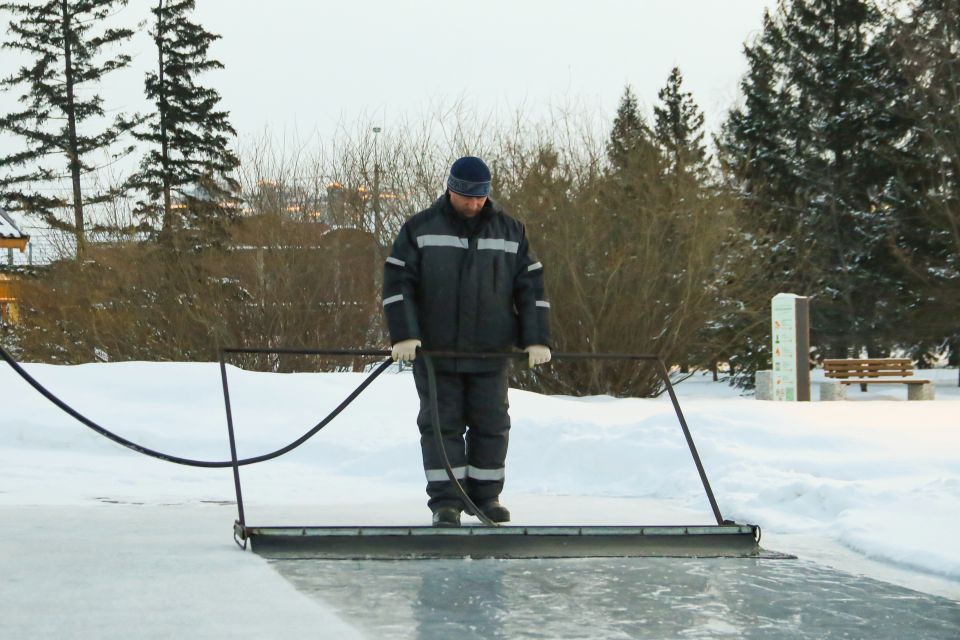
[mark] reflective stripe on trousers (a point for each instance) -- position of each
(462, 473)
(475, 426)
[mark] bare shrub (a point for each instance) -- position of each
(279, 284)
(629, 267)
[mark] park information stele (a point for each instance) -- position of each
(790, 326)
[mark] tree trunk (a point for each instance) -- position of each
(167, 228)
(73, 152)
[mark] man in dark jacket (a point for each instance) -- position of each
(461, 277)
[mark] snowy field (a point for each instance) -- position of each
(101, 542)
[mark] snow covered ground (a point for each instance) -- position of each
(107, 543)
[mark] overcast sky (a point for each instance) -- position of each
(314, 64)
(309, 66)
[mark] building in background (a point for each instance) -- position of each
(40, 243)
(10, 238)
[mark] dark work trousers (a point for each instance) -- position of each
(474, 404)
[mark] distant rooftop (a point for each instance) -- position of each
(8, 230)
(29, 242)
(11, 237)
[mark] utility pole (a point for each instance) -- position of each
(377, 230)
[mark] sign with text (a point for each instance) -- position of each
(790, 330)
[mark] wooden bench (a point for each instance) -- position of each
(864, 371)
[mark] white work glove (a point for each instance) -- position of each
(539, 354)
(405, 350)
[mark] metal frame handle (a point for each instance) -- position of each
(658, 364)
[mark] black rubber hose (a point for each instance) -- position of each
(49, 395)
(661, 368)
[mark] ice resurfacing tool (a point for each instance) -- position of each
(724, 539)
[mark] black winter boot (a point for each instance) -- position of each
(446, 517)
(494, 510)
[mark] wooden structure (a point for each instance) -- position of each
(9, 312)
(10, 238)
(864, 371)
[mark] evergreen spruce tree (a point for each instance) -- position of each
(658, 237)
(754, 149)
(630, 138)
(754, 155)
(923, 201)
(61, 119)
(189, 154)
(807, 148)
(678, 130)
(634, 160)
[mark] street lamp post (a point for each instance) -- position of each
(377, 231)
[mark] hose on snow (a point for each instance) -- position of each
(106, 433)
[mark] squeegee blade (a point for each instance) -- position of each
(506, 542)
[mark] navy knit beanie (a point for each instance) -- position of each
(469, 176)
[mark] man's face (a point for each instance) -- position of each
(466, 205)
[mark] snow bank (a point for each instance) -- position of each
(876, 473)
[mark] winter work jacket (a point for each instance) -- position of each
(463, 284)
